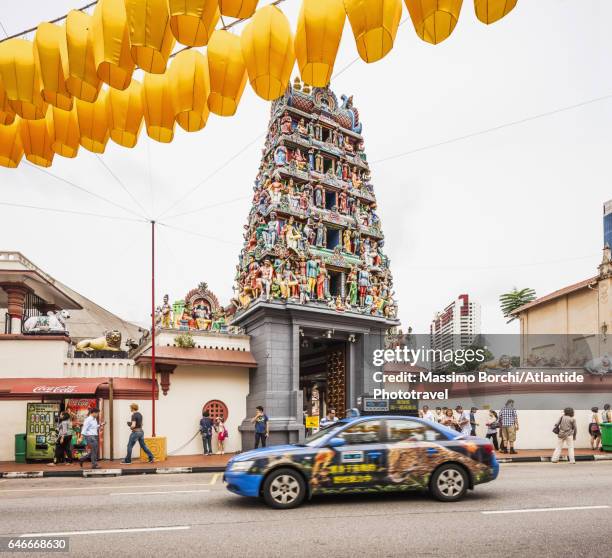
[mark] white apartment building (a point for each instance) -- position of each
(457, 325)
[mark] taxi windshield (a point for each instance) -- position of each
(313, 441)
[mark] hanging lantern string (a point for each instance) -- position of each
(56, 20)
(87, 6)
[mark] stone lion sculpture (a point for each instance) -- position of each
(111, 341)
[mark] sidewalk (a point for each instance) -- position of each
(173, 464)
(216, 464)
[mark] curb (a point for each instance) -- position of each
(541, 459)
(95, 473)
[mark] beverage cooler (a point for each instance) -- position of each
(41, 431)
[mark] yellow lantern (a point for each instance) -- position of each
(228, 73)
(11, 150)
(83, 82)
(434, 20)
(238, 8)
(157, 107)
(269, 56)
(63, 128)
(193, 21)
(111, 41)
(21, 79)
(124, 112)
(317, 39)
(189, 89)
(7, 114)
(36, 142)
(51, 57)
(93, 123)
(150, 34)
(374, 24)
(490, 11)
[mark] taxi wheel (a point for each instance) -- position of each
(284, 489)
(449, 483)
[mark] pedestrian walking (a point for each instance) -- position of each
(565, 429)
(136, 436)
(473, 423)
(492, 426)
(206, 431)
(90, 432)
(448, 419)
(221, 435)
(261, 426)
(594, 430)
(463, 421)
(63, 445)
(508, 420)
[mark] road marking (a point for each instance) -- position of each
(530, 510)
(215, 478)
(100, 486)
(159, 492)
(108, 531)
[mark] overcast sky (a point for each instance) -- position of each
(520, 206)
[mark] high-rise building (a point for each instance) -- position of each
(607, 223)
(313, 285)
(457, 325)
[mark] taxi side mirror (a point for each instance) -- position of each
(336, 442)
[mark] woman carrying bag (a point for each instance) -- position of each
(565, 429)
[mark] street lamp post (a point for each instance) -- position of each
(153, 374)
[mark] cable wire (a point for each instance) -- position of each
(493, 129)
(72, 211)
(207, 237)
(81, 189)
(134, 198)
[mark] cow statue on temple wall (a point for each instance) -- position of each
(52, 323)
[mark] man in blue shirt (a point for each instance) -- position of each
(261, 426)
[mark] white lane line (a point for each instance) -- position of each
(108, 531)
(530, 510)
(215, 478)
(101, 486)
(159, 492)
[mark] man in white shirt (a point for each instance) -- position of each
(463, 420)
(89, 431)
(426, 414)
(329, 419)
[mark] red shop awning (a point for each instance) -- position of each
(34, 388)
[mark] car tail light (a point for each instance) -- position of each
(488, 449)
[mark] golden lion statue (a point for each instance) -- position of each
(110, 342)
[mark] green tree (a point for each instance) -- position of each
(515, 299)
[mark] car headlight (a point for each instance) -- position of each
(241, 466)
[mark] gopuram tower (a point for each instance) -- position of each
(313, 287)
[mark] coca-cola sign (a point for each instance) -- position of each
(54, 389)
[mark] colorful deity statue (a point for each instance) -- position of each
(202, 317)
(351, 284)
(348, 146)
(275, 189)
(322, 282)
(301, 127)
(343, 202)
(319, 163)
(311, 159)
(267, 274)
(280, 156)
(286, 124)
(346, 237)
(300, 160)
(318, 195)
(290, 283)
(291, 235)
(355, 180)
(311, 130)
(363, 282)
(312, 272)
(272, 232)
(321, 240)
(166, 314)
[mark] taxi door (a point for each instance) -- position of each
(360, 463)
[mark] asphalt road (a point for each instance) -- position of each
(541, 509)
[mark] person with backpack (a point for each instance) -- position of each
(594, 430)
(222, 435)
(565, 429)
(606, 414)
(206, 431)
